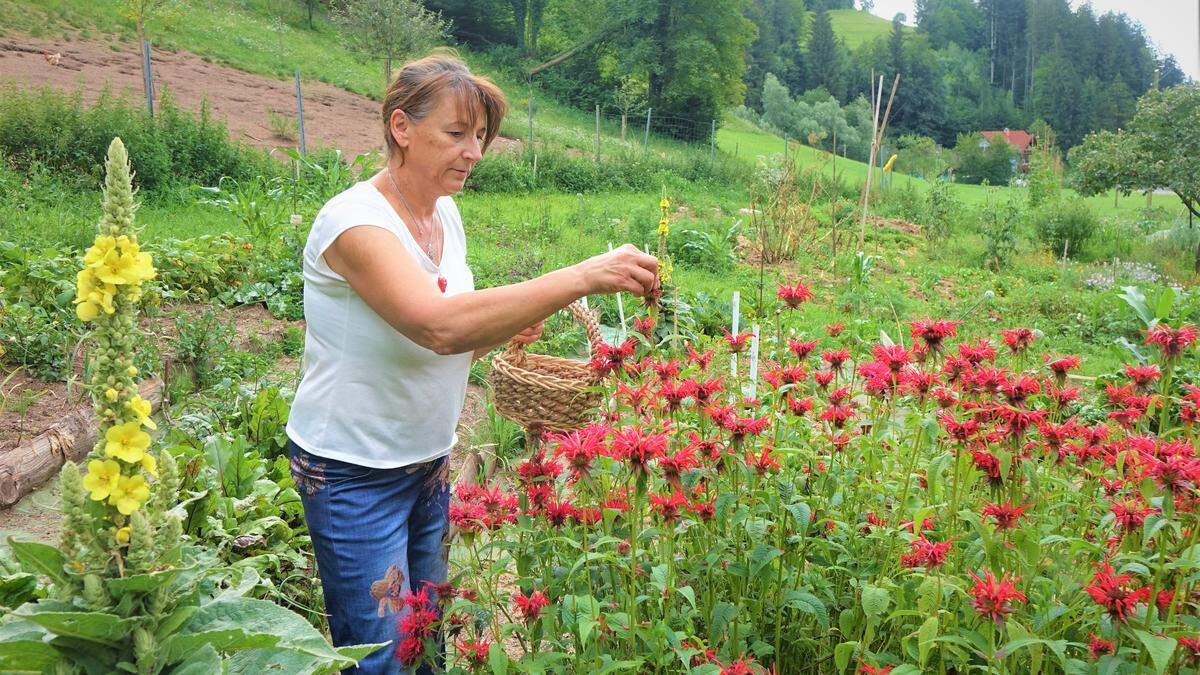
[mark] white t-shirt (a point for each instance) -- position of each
(370, 395)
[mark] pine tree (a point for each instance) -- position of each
(824, 56)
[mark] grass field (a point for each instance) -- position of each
(749, 142)
(855, 27)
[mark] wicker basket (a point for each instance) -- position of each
(547, 393)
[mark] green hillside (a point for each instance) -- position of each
(855, 27)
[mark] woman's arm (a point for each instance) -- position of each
(381, 271)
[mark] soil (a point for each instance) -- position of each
(333, 117)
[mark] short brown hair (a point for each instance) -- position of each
(419, 85)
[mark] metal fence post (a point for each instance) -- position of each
(597, 133)
(712, 143)
(785, 148)
(646, 136)
(300, 114)
(530, 148)
(147, 80)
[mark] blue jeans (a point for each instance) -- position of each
(377, 534)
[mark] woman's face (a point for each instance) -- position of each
(441, 149)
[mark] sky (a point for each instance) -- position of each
(1173, 25)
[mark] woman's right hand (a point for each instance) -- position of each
(621, 269)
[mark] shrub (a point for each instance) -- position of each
(977, 161)
(1064, 225)
(71, 138)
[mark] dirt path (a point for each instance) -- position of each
(333, 117)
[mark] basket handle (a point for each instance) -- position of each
(515, 351)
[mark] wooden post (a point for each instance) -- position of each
(597, 133)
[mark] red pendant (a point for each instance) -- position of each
(442, 284)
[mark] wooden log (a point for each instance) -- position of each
(32, 463)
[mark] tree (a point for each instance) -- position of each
(978, 160)
(1160, 149)
(694, 52)
(824, 58)
(141, 12)
(896, 45)
(1057, 96)
(866, 5)
(310, 6)
(920, 156)
(776, 47)
(1170, 74)
(389, 29)
(947, 22)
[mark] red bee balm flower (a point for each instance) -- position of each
(801, 348)
(1190, 647)
(475, 652)
(638, 447)
(1171, 341)
(1099, 647)
(933, 333)
(738, 343)
(530, 606)
(992, 596)
(925, 553)
(794, 296)
(1111, 591)
(1017, 339)
(1006, 515)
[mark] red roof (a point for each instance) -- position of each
(1018, 138)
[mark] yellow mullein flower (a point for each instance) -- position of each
(99, 249)
(127, 442)
(129, 494)
(101, 478)
(91, 297)
(150, 465)
(664, 227)
(142, 408)
(664, 204)
(664, 270)
(123, 535)
(111, 394)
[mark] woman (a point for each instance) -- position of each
(393, 325)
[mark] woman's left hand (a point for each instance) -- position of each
(530, 334)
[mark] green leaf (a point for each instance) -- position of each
(1133, 297)
(497, 659)
(809, 604)
(687, 592)
(23, 649)
(41, 559)
(100, 627)
(203, 661)
(234, 624)
(803, 515)
(722, 614)
(875, 600)
(1161, 649)
(925, 637)
(927, 596)
(1165, 299)
(258, 661)
(17, 589)
(842, 654)
(761, 556)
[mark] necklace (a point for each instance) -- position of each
(427, 244)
